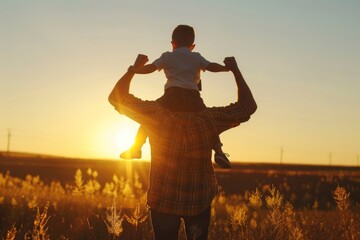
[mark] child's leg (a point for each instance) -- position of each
(135, 150)
(221, 157)
(140, 138)
(218, 146)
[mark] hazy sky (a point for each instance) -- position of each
(60, 59)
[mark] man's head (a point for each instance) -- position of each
(183, 36)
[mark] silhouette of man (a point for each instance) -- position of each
(182, 179)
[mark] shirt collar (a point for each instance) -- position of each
(182, 49)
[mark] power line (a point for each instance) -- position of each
(8, 141)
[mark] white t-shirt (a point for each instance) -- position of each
(182, 68)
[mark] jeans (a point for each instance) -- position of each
(166, 227)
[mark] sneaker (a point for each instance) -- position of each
(131, 154)
(222, 160)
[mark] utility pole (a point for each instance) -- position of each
(8, 141)
(281, 154)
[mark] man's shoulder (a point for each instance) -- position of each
(164, 54)
(224, 108)
(132, 101)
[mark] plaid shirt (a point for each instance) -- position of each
(182, 178)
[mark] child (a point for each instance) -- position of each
(182, 69)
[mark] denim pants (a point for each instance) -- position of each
(166, 227)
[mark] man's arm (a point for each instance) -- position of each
(148, 68)
(245, 96)
(123, 85)
(215, 67)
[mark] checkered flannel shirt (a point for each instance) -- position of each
(182, 178)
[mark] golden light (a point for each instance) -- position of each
(114, 137)
(125, 137)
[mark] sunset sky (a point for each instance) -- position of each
(60, 59)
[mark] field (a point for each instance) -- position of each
(45, 197)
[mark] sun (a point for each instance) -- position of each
(125, 137)
(114, 137)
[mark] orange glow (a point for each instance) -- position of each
(114, 137)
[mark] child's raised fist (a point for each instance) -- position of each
(141, 60)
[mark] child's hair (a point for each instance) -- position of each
(183, 35)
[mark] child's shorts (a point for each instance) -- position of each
(182, 100)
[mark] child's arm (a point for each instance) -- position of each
(148, 68)
(215, 67)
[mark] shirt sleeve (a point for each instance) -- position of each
(143, 112)
(203, 62)
(160, 62)
(229, 116)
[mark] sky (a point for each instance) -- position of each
(59, 60)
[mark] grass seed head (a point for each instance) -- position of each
(342, 198)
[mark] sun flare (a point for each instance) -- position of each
(125, 138)
(116, 137)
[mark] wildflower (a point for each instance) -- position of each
(79, 187)
(11, 233)
(33, 203)
(13, 202)
(255, 199)
(238, 217)
(213, 211)
(40, 221)
(221, 198)
(115, 178)
(3, 179)
(253, 223)
(113, 221)
(342, 198)
(127, 191)
(36, 180)
(110, 189)
(136, 218)
(92, 186)
(56, 189)
(275, 199)
(297, 234)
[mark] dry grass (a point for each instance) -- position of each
(84, 209)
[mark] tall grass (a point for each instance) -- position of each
(84, 209)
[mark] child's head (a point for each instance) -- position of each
(183, 36)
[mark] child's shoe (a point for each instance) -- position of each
(222, 160)
(131, 153)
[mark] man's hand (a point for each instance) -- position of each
(245, 96)
(123, 85)
(230, 63)
(139, 62)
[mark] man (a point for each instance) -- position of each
(182, 178)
